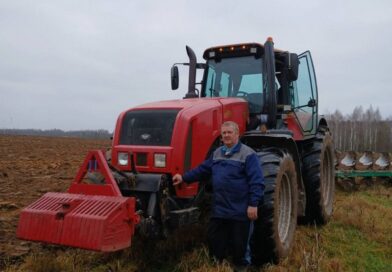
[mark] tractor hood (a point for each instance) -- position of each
(165, 137)
(187, 105)
(177, 104)
(184, 110)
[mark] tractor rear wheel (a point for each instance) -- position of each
(318, 173)
(274, 229)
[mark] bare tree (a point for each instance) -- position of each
(361, 130)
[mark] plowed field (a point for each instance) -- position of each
(358, 237)
(29, 167)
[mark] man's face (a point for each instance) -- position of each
(229, 136)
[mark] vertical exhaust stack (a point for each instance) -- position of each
(269, 78)
(192, 74)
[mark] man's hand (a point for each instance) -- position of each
(177, 179)
(252, 213)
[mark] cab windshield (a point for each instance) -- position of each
(236, 77)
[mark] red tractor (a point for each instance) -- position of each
(270, 93)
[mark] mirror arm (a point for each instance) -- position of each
(306, 105)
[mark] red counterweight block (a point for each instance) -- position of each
(102, 223)
(97, 219)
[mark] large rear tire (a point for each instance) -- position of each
(318, 173)
(274, 229)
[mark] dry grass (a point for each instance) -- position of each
(198, 260)
(358, 238)
(369, 212)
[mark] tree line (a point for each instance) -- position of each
(94, 134)
(362, 130)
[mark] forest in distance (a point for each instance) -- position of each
(91, 134)
(362, 130)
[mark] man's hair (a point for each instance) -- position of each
(232, 124)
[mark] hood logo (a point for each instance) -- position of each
(145, 136)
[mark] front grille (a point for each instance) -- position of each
(141, 159)
(148, 127)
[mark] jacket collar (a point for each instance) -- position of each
(230, 151)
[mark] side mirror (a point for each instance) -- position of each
(292, 64)
(312, 103)
(174, 77)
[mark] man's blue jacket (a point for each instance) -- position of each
(237, 181)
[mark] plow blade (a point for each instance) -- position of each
(102, 223)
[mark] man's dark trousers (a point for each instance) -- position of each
(228, 237)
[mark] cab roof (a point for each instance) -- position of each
(236, 50)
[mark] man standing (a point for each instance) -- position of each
(238, 186)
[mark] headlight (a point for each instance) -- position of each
(122, 158)
(159, 160)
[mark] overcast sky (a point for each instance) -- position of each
(78, 64)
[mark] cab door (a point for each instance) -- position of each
(304, 99)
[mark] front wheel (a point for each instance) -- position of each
(274, 229)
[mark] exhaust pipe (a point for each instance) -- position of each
(269, 78)
(192, 73)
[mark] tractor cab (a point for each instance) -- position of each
(239, 75)
(268, 79)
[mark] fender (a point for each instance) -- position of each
(322, 125)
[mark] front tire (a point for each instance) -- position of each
(274, 229)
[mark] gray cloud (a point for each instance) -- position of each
(78, 64)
